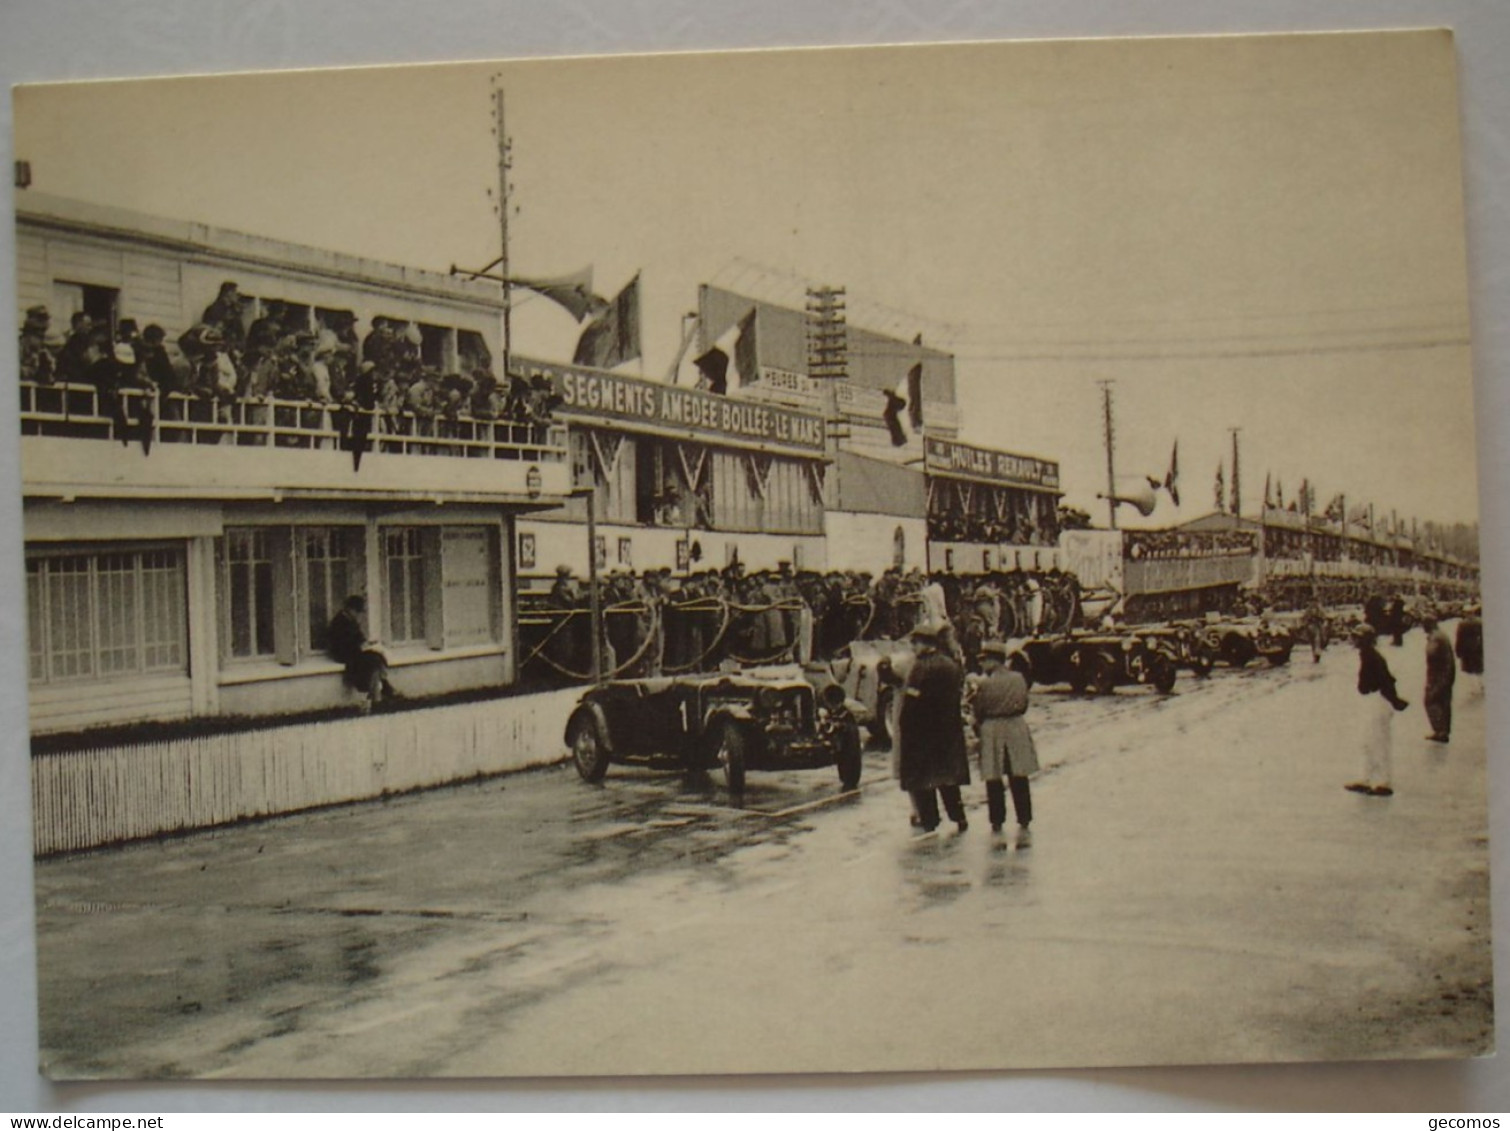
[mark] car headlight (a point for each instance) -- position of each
(768, 699)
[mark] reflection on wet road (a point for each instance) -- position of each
(536, 924)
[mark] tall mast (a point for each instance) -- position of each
(1111, 438)
(504, 164)
(1237, 483)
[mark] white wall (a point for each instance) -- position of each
(866, 542)
(565, 543)
(978, 557)
(91, 797)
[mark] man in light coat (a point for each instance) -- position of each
(1006, 743)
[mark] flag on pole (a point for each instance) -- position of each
(734, 349)
(573, 292)
(1172, 476)
(613, 336)
(746, 354)
(683, 371)
(1268, 496)
(904, 408)
(1221, 490)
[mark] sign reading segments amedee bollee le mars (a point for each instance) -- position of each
(594, 394)
(950, 457)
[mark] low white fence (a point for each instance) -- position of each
(86, 798)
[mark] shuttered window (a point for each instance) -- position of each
(106, 615)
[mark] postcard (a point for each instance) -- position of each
(951, 557)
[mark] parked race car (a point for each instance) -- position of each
(1239, 643)
(1097, 662)
(871, 673)
(1184, 643)
(775, 719)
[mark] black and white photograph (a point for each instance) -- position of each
(882, 559)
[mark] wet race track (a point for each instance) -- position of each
(1199, 888)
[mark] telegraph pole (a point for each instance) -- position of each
(1237, 483)
(1110, 433)
(505, 163)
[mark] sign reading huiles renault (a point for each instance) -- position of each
(950, 457)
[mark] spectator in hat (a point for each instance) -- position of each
(366, 662)
(1006, 743)
(155, 361)
(224, 314)
(354, 421)
(1441, 673)
(1470, 647)
(933, 764)
(37, 361)
(266, 330)
(113, 375)
(79, 350)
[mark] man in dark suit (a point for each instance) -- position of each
(933, 762)
(366, 663)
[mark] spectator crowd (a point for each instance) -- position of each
(655, 623)
(229, 358)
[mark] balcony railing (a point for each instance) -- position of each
(154, 417)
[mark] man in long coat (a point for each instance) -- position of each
(933, 762)
(1441, 673)
(1470, 644)
(1006, 743)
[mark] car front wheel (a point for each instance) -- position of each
(1162, 672)
(588, 750)
(731, 756)
(1101, 674)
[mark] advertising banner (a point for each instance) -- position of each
(600, 397)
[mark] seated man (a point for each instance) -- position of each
(366, 663)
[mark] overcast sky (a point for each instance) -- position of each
(1264, 233)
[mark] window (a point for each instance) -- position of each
(282, 585)
(472, 350)
(437, 347)
(102, 304)
(673, 483)
(606, 461)
(404, 560)
(327, 555)
(756, 491)
(106, 615)
(249, 588)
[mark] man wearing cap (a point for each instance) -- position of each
(569, 644)
(1441, 673)
(932, 761)
(366, 662)
(1380, 702)
(155, 361)
(225, 315)
(1006, 743)
(79, 350)
(37, 362)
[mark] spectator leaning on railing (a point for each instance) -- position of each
(279, 358)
